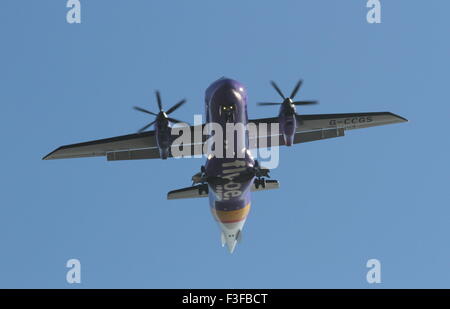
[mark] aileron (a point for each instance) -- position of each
(103, 146)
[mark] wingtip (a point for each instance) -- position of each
(48, 157)
(400, 117)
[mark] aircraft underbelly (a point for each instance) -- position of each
(230, 201)
(229, 185)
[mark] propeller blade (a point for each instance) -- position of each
(174, 120)
(144, 111)
(145, 128)
(305, 102)
(274, 85)
(175, 107)
(158, 100)
(295, 90)
(268, 103)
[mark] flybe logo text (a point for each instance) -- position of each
(231, 170)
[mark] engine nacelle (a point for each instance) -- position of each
(288, 124)
(163, 138)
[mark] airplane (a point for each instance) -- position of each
(227, 181)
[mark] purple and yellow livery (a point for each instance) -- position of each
(226, 101)
(226, 180)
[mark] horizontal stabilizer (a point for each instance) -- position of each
(189, 192)
(202, 190)
(223, 239)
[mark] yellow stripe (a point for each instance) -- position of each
(228, 216)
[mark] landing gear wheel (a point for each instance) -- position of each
(260, 182)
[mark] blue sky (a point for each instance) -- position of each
(376, 193)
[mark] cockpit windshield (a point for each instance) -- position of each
(227, 111)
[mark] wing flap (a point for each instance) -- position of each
(138, 154)
(304, 137)
(300, 137)
(186, 151)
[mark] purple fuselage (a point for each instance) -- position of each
(226, 103)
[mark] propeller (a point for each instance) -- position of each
(288, 100)
(162, 115)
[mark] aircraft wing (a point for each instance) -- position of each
(126, 147)
(323, 126)
(144, 146)
(347, 121)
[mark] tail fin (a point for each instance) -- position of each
(239, 236)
